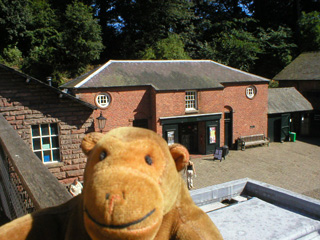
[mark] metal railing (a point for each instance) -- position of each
(26, 184)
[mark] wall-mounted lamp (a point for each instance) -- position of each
(101, 122)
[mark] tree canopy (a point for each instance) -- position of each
(64, 38)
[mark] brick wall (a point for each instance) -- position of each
(249, 117)
(25, 104)
(126, 105)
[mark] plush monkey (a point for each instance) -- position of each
(132, 190)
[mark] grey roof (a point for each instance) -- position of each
(305, 67)
(64, 94)
(282, 100)
(163, 75)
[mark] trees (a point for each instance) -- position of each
(139, 24)
(309, 24)
(236, 44)
(278, 48)
(81, 38)
(51, 43)
(168, 48)
(62, 37)
(13, 18)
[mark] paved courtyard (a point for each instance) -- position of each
(294, 166)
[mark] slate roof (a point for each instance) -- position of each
(163, 75)
(282, 100)
(51, 88)
(305, 67)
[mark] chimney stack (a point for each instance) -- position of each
(49, 81)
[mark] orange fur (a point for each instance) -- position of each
(132, 190)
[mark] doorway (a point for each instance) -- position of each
(189, 136)
(228, 129)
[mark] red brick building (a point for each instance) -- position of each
(201, 104)
(52, 122)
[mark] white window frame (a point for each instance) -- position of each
(103, 100)
(251, 92)
(46, 147)
(191, 100)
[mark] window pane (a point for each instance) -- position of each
(55, 142)
(46, 143)
(44, 129)
(35, 131)
(46, 156)
(54, 129)
(39, 155)
(190, 99)
(36, 143)
(56, 155)
(103, 100)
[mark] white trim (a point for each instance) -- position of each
(191, 98)
(49, 146)
(191, 115)
(93, 74)
(156, 61)
(108, 100)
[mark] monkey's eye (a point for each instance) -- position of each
(148, 160)
(103, 155)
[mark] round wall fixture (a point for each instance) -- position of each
(103, 100)
(251, 92)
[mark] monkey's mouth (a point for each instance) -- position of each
(120, 226)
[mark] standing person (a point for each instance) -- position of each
(190, 170)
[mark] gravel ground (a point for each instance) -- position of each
(294, 166)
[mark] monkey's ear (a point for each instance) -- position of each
(180, 155)
(89, 141)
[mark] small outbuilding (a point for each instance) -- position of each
(303, 73)
(286, 108)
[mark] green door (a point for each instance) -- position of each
(212, 136)
(285, 127)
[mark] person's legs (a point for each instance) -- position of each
(189, 179)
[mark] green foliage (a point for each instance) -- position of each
(13, 19)
(273, 84)
(61, 45)
(310, 31)
(145, 22)
(278, 48)
(168, 48)
(12, 57)
(43, 40)
(81, 37)
(62, 37)
(235, 45)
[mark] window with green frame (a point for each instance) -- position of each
(45, 142)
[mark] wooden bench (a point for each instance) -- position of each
(252, 140)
